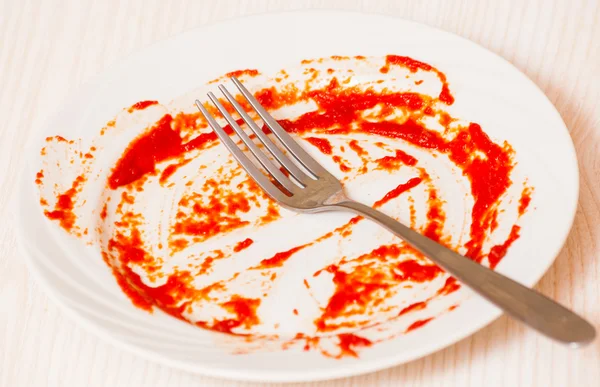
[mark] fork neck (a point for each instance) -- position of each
(337, 198)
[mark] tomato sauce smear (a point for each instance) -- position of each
(361, 282)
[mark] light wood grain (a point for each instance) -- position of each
(49, 48)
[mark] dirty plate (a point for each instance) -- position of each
(138, 222)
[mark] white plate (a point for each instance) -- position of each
(488, 91)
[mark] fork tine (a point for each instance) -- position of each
(288, 164)
(260, 156)
(241, 158)
(300, 154)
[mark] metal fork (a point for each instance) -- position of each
(316, 190)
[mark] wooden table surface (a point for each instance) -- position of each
(48, 48)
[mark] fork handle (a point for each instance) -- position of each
(522, 303)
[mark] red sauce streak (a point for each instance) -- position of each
(352, 291)
(353, 144)
(160, 143)
(134, 295)
(321, 144)
(129, 250)
(239, 73)
(104, 211)
(279, 259)
(499, 251)
(414, 65)
(356, 290)
(398, 191)
(524, 200)
(339, 108)
(141, 105)
(445, 119)
(63, 209)
(435, 217)
(416, 272)
(207, 264)
(489, 176)
(413, 307)
(393, 162)
(170, 296)
(451, 285)
(58, 139)
(417, 324)
(171, 169)
(38, 177)
(494, 224)
(446, 96)
(245, 314)
(179, 244)
(349, 341)
(140, 158)
(243, 245)
(413, 212)
(210, 216)
(341, 164)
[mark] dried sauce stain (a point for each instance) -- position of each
(353, 144)
(525, 199)
(39, 176)
(244, 310)
(65, 203)
(499, 251)
(413, 307)
(398, 191)
(59, 139)
(392, 163)
(450, 286)
(349, 342)
(141, 105)
(414, 65)
(418, 324)
(129, 251)
(279, 259)
(243, 245)
(171, 169)
(365, 286)
(239, 73)
(142, 155)
(321, 144)
(413, 212)
(218, 209)
(361, 283)
(209, 261)
(161, 142)
(486, 164)
(436, 217)
(341, 163)
(104, 211)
